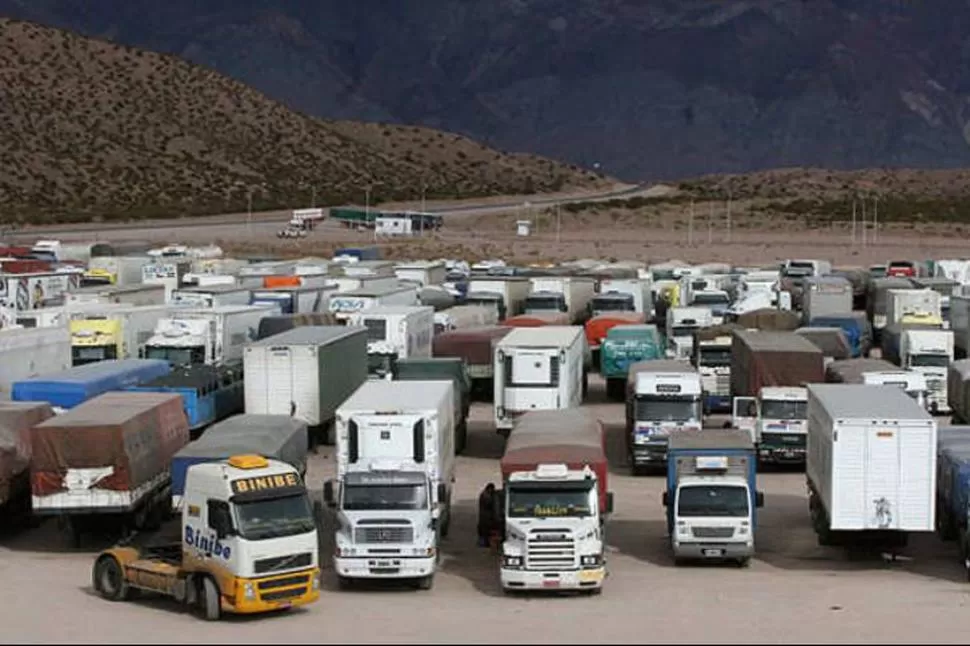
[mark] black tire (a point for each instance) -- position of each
(72, 531)
(743, 562)
(344, 583)
(595, 592)
(210, 601)
(108, 579)
(426, 582)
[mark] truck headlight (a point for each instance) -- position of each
(512, 561)
(590, 560)
(422, 551)
(683, 529)
(249, 591)
(743, 529)
(344, 551)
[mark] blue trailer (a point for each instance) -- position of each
(209, 393)
(856, 328)
(953, 487)
(69, 388)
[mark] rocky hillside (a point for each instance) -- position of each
(91, 128)
(658, 89)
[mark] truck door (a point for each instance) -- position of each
(882, 478)
(279, 382)
(744, 415)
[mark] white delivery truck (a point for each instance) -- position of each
(424, 272)
(343, 305)
(168, 272)
(570, 295)
(663, 397)
(305, 372)
(114, 270)
(461, 317)
(638, 291)
(212, 295)
(871, 464)
(506, 294)
(540, 368)
(129, 294)
(395, 332)
(395, 473)
(682, 323)
(929, 352)
(921, 303)
(294, 300)
(213, 336)
(345, 284)
(27, 353)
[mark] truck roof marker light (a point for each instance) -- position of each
(248, 462)
(552, 471)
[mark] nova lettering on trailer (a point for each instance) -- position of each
(245, 485)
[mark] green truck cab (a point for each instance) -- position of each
(441, 369)
(623, 346)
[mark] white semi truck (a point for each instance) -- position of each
(505, 294)
(212, 336)
(570, 295)
(538, 369)
(636, 292)
(929, 352)
(395, 332)
(395, 472)
(682, 323)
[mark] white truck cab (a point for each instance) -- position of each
(777, 420)
(913, 382)
(716, 300)
(712, 358)
(929, 352)
(661, 404)
(682, 322)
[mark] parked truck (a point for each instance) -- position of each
(958, 390)
(855, 326)
(877, 300)
(212, 296)
(210, 335)
(114, 270)
(16, 420)
(136, 295)
(624, 295)
(71, 387)
(306, 373)
(394, 332)
(395, 473)
(278, 323)
(830, 340)
(712, 496)
(825, 296)
(925, 349)
(121, 469)
(917, 303)
(663, 397)
(461, 317)
(442, 369)
(423, 272)
(345, 304)
(952, 489)
(538, 369)
(599, 326)
(29, 352)
(116, 333)
(872, 465)
(682, 323)
(555, 503)
(294, 300)
(167, 272)
(960, 325)
(624, 346)
(570, 295)
(769, 372)
(476, 348)
(505, 294)
(711, 355)
(248, 544)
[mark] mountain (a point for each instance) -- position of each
(94, 129)
(647, 89)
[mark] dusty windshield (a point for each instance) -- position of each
(397, 497)
(712, 500)
(929, 361)
(711, 300)
(549, 502)
(683, 330)
(545, 303)
(784, 409)
(668, 409)
(715, 357)
(274, 517)
(181, 356)
(612, 305)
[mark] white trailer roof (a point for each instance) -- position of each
(856, 401)
(309, 335)
(390, 310)
(397, 396)
(550, 336)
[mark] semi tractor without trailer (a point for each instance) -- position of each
(712, 496)
(663, 398)
(395, 472)
(120, 469)
(769, 371)
(306, 373)
(248, 546)
(871, 465)
(538, 369)
(624, 346)
(476, 347)
(555, 503)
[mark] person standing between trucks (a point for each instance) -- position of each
(486, 514)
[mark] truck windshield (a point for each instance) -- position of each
(711, 300)
(716, 357)
(545, 303)
(784, 409)
(684, 330)
(929, 360)
(549, 502)
(275, 517)
(612, 304)
(391, 497)
(668, 409)
(799, 269)
(712, 500)
(376, 329)
(380, 365)
(81, 355)
(95, 281)
(178, 356)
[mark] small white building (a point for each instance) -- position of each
(523, 228)
(394, 226)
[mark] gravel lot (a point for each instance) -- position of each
(793, 591)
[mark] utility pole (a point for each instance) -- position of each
(367, 221)
(863, 222)
(313, 198)
(710, 225)
(690, 225)
(853, 222)
(729, 215)
(558, 223)
(249, 213)
(424, 190)
(875, 220)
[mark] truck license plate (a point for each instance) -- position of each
(552, 583)
(384, 564)
(713, 553)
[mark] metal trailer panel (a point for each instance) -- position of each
(212, 296)
(306, 372)
(958, 389)
(871, 458)
(877, 297)
(475, 346)
(570, 436)
(892, 335)
(16, 420)
(440, 369)
(855, 326)
(960, 324)
(770, 319)
(830, 340)
(850, 371)
(826, 295)
(552, 336)
(277, 324)
(78, 384)
(30, 352)
(277, 437)
(760, 359)
(462, 317)
(107, 455)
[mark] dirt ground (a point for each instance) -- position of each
(794, 591)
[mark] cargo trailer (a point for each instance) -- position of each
(476, 347)
(71, 387)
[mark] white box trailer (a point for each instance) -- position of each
(212, 295)
(426, 272)
(30, 352)
(350, 283)
(505, 294)
(871, 464)
(924, 303)
(213, 336)
(31, 291)
(345, 304)
(461, 317)
(305, 372)
(395, 332)
(268, 268)
(170, 273)
(144, 294)
(640, 289)
(540, 368)
(568, 294)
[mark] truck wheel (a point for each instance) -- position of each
(71, 530)
(743, 562)
(426, 582)
(595, 592)
(209, 600)
(109, 579)
(344, 583)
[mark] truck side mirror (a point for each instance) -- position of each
(759, 499)
(609, 502)
(665, 499)
(328, 494)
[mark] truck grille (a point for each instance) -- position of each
(289, 562)
(384, 534)
(712, 532)
(550, 549)
(934, 385)
(283, 582)
(722, 385)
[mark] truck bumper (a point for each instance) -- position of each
(713, 551)
(369, 567)
(642, 455)
(586, 579)
(717, 403)
(273, 593)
